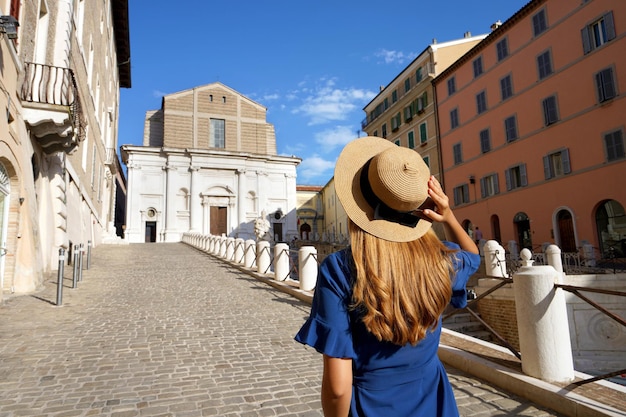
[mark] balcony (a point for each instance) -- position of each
(52, 107)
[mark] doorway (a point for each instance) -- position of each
(5, 191)
(278, 232)
(150, 232)
(218, 216)
(522, 224)
(565, 224)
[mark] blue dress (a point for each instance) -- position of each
(388, 380)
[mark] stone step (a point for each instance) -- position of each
(468, 327)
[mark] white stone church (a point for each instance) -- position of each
(208, 164)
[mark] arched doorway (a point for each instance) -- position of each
(495, 228)
(468, 227)
(522, 226)
(565, 227)
(305, 231)
(611, 227)
(5, 192)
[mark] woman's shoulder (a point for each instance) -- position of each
(336, 267)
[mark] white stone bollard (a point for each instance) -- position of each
(263, 258)
(239, 250)
(553, 258)
(222, 247)
(230, 248)
(281, 261)
(307, 264)
(542, 323)
(495, 260)
(249, 257)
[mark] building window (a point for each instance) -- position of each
(478, 66)
(427, 161)
(418, 75)
(408, 113)
(411, 139)
(454, 118)
(451, 86)
(598, 33)
(217, 139)
(456, 152)
(394, 96)
(481, 102)
(614, 144)
(510, 128)
(489, 186)
(485, 141)
(556, 164)
(423, 133)
(396, 121)
(397, 142)
(544, 65)
(407, 85)
(375, 133)
(502, 49)
(605, 84)
(506, 87)
(461, 194)
(516, 177)
(550, 113)
(540, 22)
(384, 130)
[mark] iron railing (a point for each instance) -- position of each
(48, 84)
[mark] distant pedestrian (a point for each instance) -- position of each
(478, 235)
(376, 312)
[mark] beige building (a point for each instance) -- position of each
(404, 110)
(310, 211)
(63, 64)
(208, 164)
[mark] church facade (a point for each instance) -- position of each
(208, 164)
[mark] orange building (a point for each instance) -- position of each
(531, 126)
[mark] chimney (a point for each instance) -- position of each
(434, 41)
(496, 25)
(467, 35)
(381, 88)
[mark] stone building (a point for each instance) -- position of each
(208, 164)
(63, 64)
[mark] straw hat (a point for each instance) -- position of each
(383, 188)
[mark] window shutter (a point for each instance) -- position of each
(425, 99)
(522, 171)
(586, 41)
(507, 177)
(483, 187)
(565, 160)
(496, 186)
(547, 171)
(456, 196)
(466, 194)
(609, 25)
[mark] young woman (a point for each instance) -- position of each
(376, 313)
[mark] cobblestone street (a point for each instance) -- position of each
(166, 330)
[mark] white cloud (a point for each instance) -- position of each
(328, 103)
(335, 137)
(314, 167)
(394, 57)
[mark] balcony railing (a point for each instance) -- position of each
(52, 90)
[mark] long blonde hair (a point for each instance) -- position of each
(401, 287)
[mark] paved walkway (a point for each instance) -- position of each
(165, 330)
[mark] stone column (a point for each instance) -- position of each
(281, 261)
(129, 230)
(542, 323)
(307, 266)
(170, 203)
(195, 203)
(241, 201)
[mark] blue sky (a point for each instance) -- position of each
(314, 65)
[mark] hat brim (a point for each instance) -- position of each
(348, 189)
